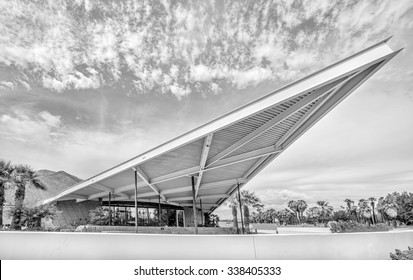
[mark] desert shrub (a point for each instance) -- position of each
(402, 255)
(352, 226)
(99, 216)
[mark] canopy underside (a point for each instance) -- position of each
(232, 149)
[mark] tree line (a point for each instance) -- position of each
(392, 209)
(18, 177)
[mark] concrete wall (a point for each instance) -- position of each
(359, 246)
(189, 216)
(73, 212)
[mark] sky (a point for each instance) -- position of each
(86, 85)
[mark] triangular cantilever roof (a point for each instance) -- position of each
(234, 148)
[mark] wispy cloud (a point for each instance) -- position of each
(46, 135)
(174, 48)
(40, 128)
(5, 85)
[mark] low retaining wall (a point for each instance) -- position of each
(155, 230)
(58, 245)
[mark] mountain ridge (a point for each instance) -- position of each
(55, 182)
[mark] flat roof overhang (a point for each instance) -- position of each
(231, 150)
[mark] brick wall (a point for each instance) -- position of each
(189, 216)
(73, 212)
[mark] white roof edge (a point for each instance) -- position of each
(353, 63)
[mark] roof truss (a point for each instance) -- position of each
(227, 157)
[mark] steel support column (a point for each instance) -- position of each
(147, 214)
(202, 213)
(110, 210)
(176, 218)
(240, 209)
(126, 216)
(194, 204)
(159, 210)
(136, 201)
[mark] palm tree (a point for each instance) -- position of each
(293, 205)
(249, 199)
(246, 218)
(233, 204)
(349, 203)
(272, 215)
(6, 170)
(313, 214)
(325, 209)
(372, 200)
(23, 176)
(301, 206)
(283, 216)
(364, 210)
(380, 209)
(351, 209)
(388, 208)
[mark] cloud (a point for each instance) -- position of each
(178, 91)
(43, 127)
(44, 140)
(26, 85)
(250, 77)
(281, 197)
(234, 43)
(50, 120)
(7, 85)
(77, 80)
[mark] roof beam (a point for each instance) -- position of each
(293, 128)
(183, 198)
(147, 194)
(175, 175)
(204, 157)
(160, 179)
(130, 187)
(206, 186)
(245, 156)
(131, 198)
(338, 95)
(275, 120)
(76, 196)
(342, 92)
(102, 187)
(310, 112)
(103, 194)
(212, 196)
(147, 181)
(189, 171)
(120, 194)
(254, 170)
(203, 204)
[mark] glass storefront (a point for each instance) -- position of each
(124, 215)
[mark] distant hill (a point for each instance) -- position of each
(55, 182)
